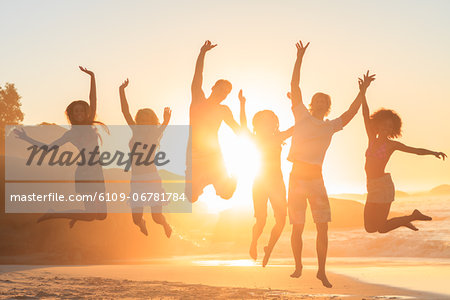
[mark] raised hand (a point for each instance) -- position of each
(440, 155)
(301, 49)
(20, 134)
(207, 46)
(167, 114)
(124, 84)
(241, 97)
(366, 81)
(90, 73)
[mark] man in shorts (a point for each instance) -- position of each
(204, 158)
(310, 141)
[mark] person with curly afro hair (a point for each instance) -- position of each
(382, 127)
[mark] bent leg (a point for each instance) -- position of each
(260, 198)
(375, 215)
(279, 206)
(77, 215)
(225, 187)
(159, 218)
(375, 219)
(274, 236)
(256, 233)
(137, 214)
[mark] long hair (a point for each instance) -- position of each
(88, 120)
(146, 116)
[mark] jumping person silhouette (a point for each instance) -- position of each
(204, 158)
(144, 178)
(268, 184)
(382, 127)
(310, 141)
(84, 138)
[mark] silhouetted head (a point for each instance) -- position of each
(146, 116)
(221, 89)
(387, 123)
(78, 112)
(320, 104)
(265, 122)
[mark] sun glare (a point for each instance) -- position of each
(242, 158)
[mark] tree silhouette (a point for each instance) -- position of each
(10, 112)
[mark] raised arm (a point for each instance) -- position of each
(296, 94)
(243, 116)
(92, 94)
(347, 116)
(419, 151)
(229, 120)
(196, 87)
(124, 104)
(167, 115)
(363, 84)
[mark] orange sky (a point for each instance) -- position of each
(406, 43)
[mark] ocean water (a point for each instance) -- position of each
(431, 241)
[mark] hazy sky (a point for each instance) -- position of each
(155, 45)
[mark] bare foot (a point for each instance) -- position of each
(253, 251)
(297, 273)
(267, 253)
(417, 215)
(411, 226)
(143, 227)
(71, 223)
(167, 230)
(322, 277)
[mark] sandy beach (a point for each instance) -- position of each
(207, 279)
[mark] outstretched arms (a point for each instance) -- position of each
(419, 151)
(286, 134)
(124, 103)
(296, 94)
(92, 94)
(196, 87)
(21, 134)
(243, 116)
(347, 116)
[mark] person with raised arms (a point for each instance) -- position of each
(147, 131)
(268, 185)
(310, 141)
(205, 164)
(84, 136)
(382, 127)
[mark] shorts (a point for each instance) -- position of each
(274, 190)
(381, 189)
(313, 190)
